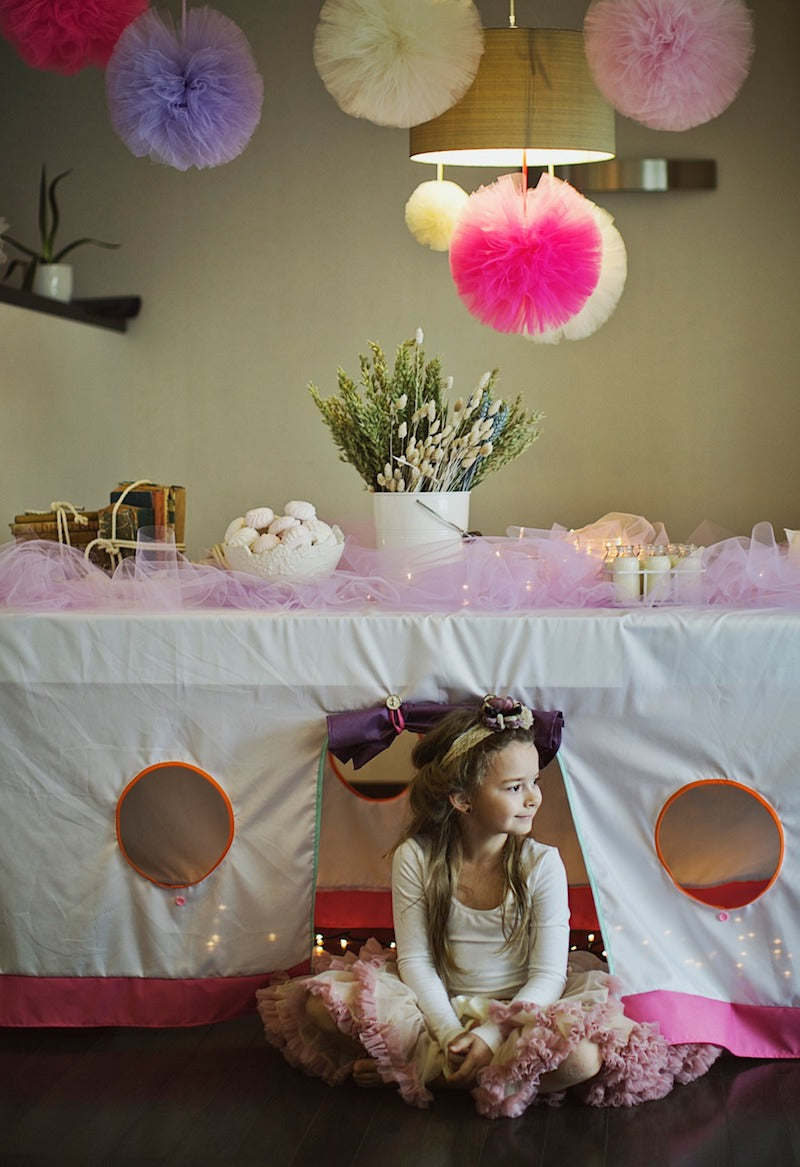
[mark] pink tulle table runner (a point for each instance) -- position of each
(526, 570)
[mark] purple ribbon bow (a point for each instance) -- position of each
(357, 735)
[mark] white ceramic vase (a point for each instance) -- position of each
(402, 522)
(53, 280)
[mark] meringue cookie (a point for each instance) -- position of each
(244, 537)
(265, 542)
(259, 517)
(282, 523)
(320, 531)
(299, 509)
(233, 527)
(298, 536)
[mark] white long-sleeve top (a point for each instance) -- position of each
(477, 940)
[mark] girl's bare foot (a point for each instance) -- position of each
(365, 1072)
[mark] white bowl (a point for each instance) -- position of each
(288, 562)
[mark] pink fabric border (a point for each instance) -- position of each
(146, 1002)
(749, 1031)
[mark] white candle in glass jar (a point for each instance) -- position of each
(657, 574)
(688, 572)
(626, 577)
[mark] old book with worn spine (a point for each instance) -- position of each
(46, 525)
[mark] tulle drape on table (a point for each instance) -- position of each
(526, 570)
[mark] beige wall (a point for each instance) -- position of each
(273, 270)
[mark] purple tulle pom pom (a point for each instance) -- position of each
(189, 97)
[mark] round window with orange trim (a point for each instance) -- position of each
(720, 842)
(174, 824)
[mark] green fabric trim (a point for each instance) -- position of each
(592, 883)
(317, 823)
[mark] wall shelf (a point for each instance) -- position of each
(113, 312)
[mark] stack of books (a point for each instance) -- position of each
(45, 525)
(153, 508)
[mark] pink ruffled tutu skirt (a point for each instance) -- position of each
(368, 1003)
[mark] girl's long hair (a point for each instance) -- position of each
(434, 821)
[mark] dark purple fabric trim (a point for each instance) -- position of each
(357, 735)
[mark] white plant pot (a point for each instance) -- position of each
(53, 280)
(401, 522)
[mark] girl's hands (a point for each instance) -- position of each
(468, 1054)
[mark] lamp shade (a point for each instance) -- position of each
(534, 93)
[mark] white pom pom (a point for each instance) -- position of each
(397, 62)
(298, 509)
(265, 542)
(244, 537)
(320, 531)
(433, 211)
(283, 523)
(233, 527)
(298, 536)
(259, 517)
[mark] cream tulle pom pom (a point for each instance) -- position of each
(610, 284)
(432, 212)
(397, 62)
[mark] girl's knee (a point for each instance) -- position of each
(579, 1066)
(318, 1015)
(583, 1063)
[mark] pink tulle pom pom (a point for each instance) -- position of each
(670, 64)
(526, 261)
(66, 35)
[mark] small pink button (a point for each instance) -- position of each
(181, 901)
(722, 916)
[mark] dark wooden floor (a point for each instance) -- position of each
(219, 1095)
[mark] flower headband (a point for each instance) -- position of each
(497, 714)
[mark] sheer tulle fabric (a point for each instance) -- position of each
(536, 569)
(69, 35)
(526, 260)
(486, 575)
(604, 299)
(369, 1003)
(670, 64)
(186, 97)
(397, 62)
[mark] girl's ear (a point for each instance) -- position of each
(460, 802)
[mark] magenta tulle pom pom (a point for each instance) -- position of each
(526, 260)
(670, 64)
(188, 97)
(610, 283)
(66, 35)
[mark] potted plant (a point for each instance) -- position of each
(401, 434)
(45, 270)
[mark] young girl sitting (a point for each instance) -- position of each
(482, 992)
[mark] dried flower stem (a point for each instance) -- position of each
(399, 432)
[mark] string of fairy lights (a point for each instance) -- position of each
(337, 943)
